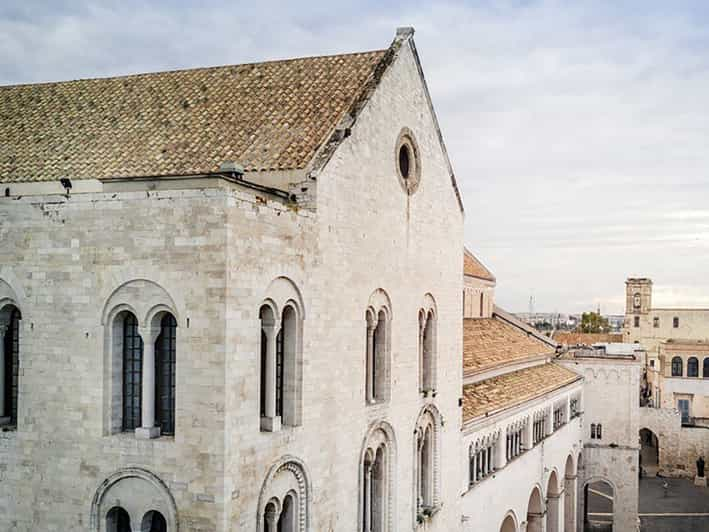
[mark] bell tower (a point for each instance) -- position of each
(638, 296)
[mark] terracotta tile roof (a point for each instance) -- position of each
(473, 267)
(574, 338)
(513, 388)
(264, 116)
(491, 342)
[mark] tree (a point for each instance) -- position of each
(593, 322)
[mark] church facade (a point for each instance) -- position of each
(230, 299)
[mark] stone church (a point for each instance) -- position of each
(230, 300)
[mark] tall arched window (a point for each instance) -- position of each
(427, 475)
(677, 367)
(427, 350)
(280, 367)
(692, 367)
(377, 480)
(705, 368)
(117, 520)
(377, 356)
(165, 358)
(375, 476)
(9, 366)
(482, 304)
(132, 373)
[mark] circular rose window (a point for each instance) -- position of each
(408, 165)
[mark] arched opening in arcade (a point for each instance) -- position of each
(535, 512)
(509, 525)
(598, 505)
(649, 453)
(553, 503)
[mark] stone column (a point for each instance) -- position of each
(148, 430)
(570, 504)
(271, 422)
(553, 512)
(367, 497)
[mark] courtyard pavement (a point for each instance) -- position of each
(684, 509)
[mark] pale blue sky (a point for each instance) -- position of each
(578, 130)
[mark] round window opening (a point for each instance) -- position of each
(407, 161)
(404, 161)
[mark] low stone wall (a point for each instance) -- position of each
(679, 447)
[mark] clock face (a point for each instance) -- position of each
(636, 301)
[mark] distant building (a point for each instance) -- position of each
(677, 343)
(577, 338)
(676, 373)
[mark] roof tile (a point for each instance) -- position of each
(513, 388)
(490, 342)
(473, 267)
(265, 116)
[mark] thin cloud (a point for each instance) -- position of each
(577, 130)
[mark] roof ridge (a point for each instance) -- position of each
(194, 69)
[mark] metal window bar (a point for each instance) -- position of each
(132, 373)
(279, 373)
(165, 365)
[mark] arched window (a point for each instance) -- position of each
(281, 362)
(675, 322)
(692, 367)
(427, 348)
(377, 480)
(139, 319)
(427, 473)
(677, 367)
(705, 368)
(593, 431)
(284, 499)
(482, 304)
(165, 375)
(153, 521)
(9, 364)
(118, 520)
(377, 317)
(132, 373)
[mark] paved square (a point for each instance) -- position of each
(685, 508)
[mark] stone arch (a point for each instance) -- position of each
(282, 291)
(553, 502)
(10, 354)
(427, 448)
(281, 314)
(286, 477)
(596, 497)
(509, 522)
(428, 340)
(378, 316)
(149, 303)
(8, 295)
(136, 490)
(379, 299)
(379, 437)
(535, 510)
(144, 296)
(649, 452)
